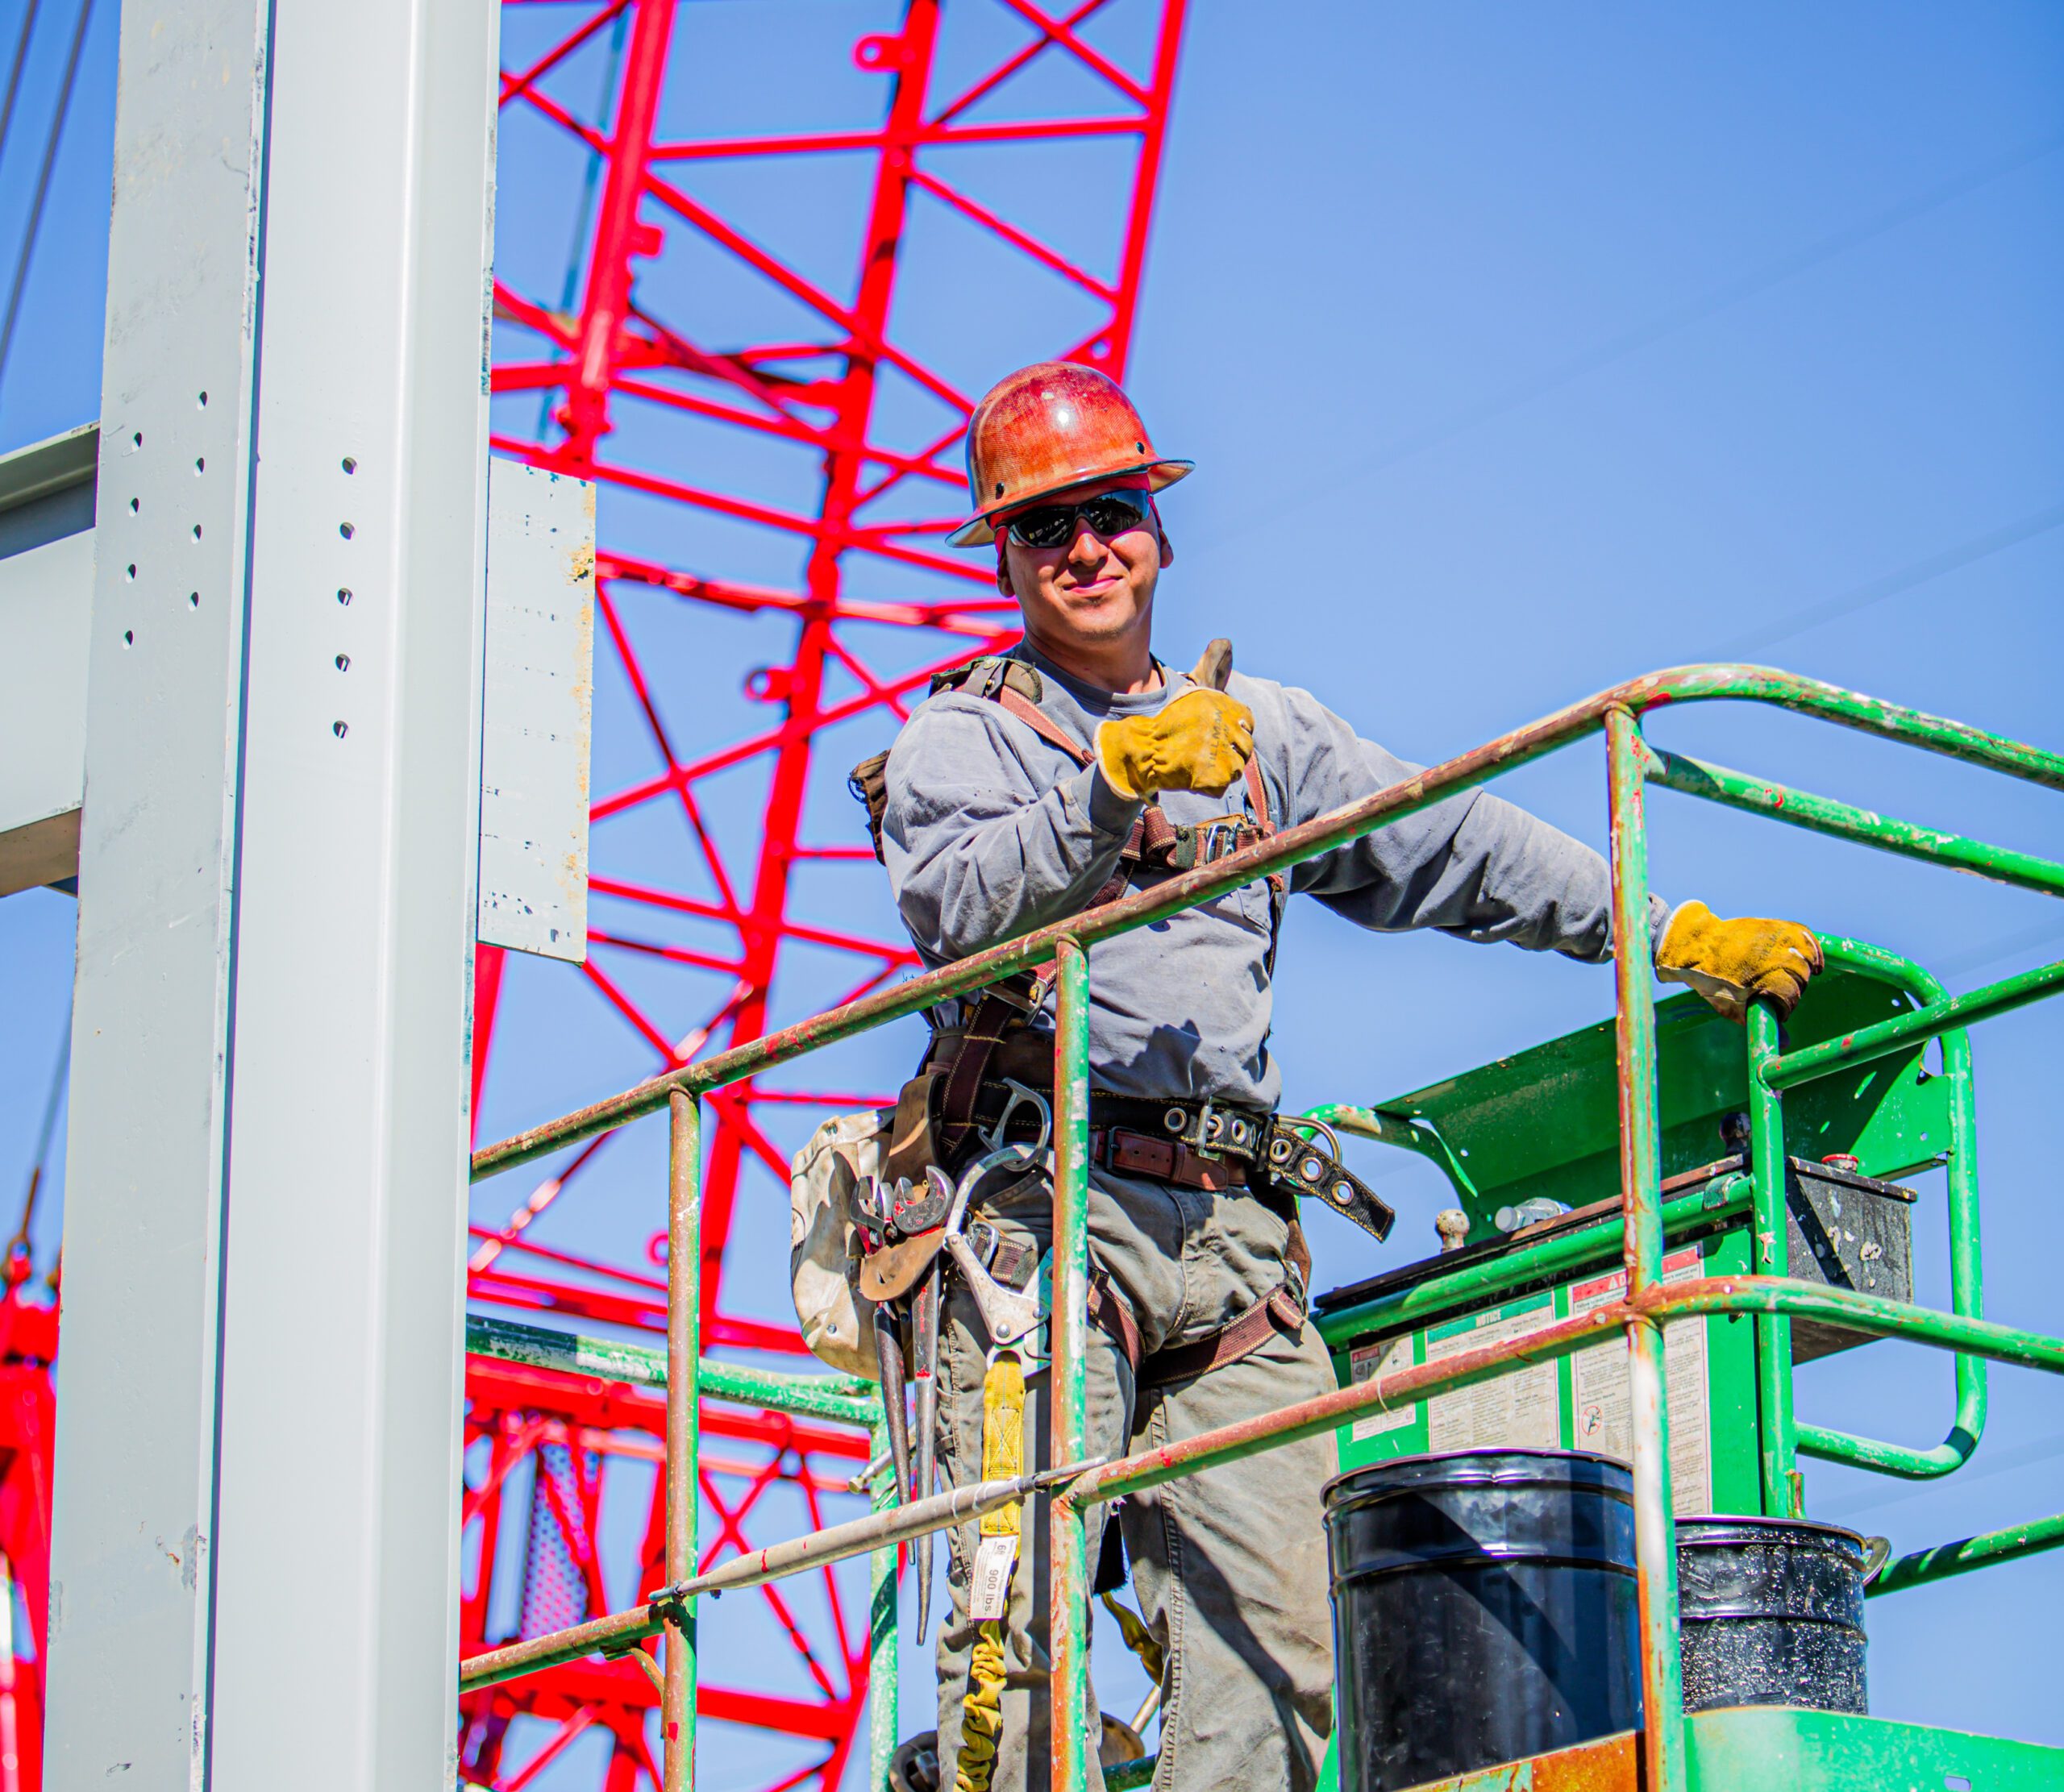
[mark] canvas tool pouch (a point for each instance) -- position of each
(824, 1244)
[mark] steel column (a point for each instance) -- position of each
(280, 844)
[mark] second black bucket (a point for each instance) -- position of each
(1773, 1613)
(1484, 1611)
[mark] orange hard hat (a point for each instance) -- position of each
(1048, 427)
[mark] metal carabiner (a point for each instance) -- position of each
(1020, 1097)
(1011, 1315)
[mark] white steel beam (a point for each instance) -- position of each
(256, 1551)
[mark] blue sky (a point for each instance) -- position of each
(1521, 349)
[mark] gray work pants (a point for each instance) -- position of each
(1228, 1566)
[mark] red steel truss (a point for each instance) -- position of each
(827, 419)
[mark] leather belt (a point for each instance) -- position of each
(1166, 1160)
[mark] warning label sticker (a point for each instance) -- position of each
(1520, 1409)
(1371, 1360)
(1599, 1389)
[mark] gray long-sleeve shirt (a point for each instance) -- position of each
(992, 831)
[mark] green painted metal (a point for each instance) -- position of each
(1130, 1776)
(884, 1677)
(1846, 1066)
(844, 1399)
(1776, 1432)
(1987, 1550)
(1786, 1749)
(1770, 1748)
(1292, 846)
(1407, 1134)
(1863, 1312)
(1725, 1294)
(1905, 1030)
(1545, 1120)
(1801, 808)
(1641, 1186)
(1551, 1260)
(1573, 1405)
(1068, 1626)
(1967, 1266)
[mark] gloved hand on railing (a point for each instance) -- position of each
(1731, 962)
(1199, 742)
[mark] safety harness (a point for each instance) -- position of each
(962, 1086)
(969, 1089)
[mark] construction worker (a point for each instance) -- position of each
(1027, 789)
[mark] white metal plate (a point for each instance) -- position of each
(539, 711)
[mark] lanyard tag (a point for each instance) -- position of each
(988, 1592)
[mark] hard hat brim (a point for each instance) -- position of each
(980, 528)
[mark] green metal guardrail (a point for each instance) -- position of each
(1773, 1301)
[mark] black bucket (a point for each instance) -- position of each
(1773, 1613)
(1484, 1611)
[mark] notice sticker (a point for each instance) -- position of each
(1520, 1409)
(1368, 1361)
(988, 1595)
(1598, 1383)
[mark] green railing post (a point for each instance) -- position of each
(1966, 1256)
(1068, 1622)
(1640, 1193)
(885, 1685)
(684, 1365)
(1777, 1442)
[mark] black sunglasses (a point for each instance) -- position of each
(1056, 525)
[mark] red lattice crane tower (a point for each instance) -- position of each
(747, 406)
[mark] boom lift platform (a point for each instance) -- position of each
(1541, 1126)
(1693, 1208)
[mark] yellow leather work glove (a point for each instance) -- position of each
(1199, 742)
(1731, 962)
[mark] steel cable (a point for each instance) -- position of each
(43, 177)
(14, 73)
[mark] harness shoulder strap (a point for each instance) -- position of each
(1014, 702)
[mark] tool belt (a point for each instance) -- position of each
(1212, 1146)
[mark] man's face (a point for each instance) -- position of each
(1093, 590)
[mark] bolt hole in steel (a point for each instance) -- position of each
(344, 662)
(128, 638)
(137, 440)
(346, 530)
(197, 531)
(200, 465)
(344, 595)
(131, 574)
(350, 464)
(193, 600)
(134, 505)
(201, 400)
(340, 728)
